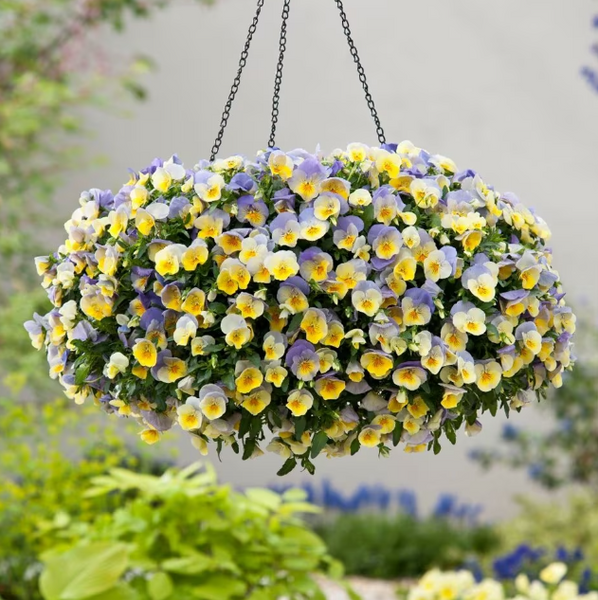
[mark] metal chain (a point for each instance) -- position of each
(361, 71)
(282, 46)
(237, 81)
(279, 72)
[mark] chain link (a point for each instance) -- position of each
(361, 72)
(237, 81)
(282, 47)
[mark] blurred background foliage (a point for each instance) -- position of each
(52, 66)
(181, 535)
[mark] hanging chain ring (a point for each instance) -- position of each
(237, 81)
(361, 72)
(282, 46)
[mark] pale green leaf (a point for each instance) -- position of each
(266, 498)
(84, 571)
(188, 565)
(220, 587)
(160, 586)
(121, 592)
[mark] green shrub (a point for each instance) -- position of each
(394, 546)
(183, 536)
(48, 455)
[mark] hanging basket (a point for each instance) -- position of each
(371, 297)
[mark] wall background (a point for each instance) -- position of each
(495, 86)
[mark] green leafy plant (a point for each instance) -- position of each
(181, 535)
(48, 456)
(390, 546)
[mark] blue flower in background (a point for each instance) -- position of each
(510, 432)
(518, 561)
(589, 73)
(530, 561)
(377, 497)
(536, 471)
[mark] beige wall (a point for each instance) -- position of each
(494, 85)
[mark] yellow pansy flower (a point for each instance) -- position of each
(314, 325)
(173, 370)
(418, 408)
(249, 306)
(274, 345)
(194, 302)
(236, 331)
(386, 423)
(330, 388)
(189, 415)
(299, 402)
(276, 374)
(369, 437)
(257, 401)
(488, 375)
(377, 364)
(336, 334)
(150, 436)
(280, 164)
(145, 353)
(388, 163)
(248, 380)
(168, 260)
(282, 264)
(472, 320)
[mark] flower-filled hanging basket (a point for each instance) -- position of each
(371, 297)
(367, 298)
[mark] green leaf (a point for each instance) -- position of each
(368, 215)
(220, 587)
(188, 565)
(308, 466)
(82, 373)
(212, 348)
(355, 446)
(249, 448)
(397, 432)
(264, 497)
(244, 424)
(121, 592)
(318, 443)
(255, 359)
(160, 586)
(295, 322)
(229, 381)
(217, 307)
(288, 466)
(300, 425)
(84, 571)
(450, 433)
(492, 330)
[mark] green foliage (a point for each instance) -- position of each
(183, 536)
(47, 70)
(397, 546)
(568, 452)
(48, 455)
